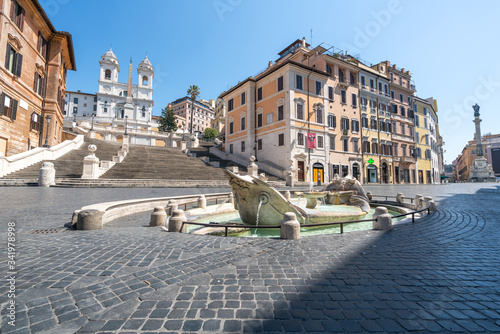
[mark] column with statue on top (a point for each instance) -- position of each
(481, 170)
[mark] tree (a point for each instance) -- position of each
(194, 92)
(210, 133)
(167, 120)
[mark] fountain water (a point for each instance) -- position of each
(257, 220)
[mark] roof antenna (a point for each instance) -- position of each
(312, 38)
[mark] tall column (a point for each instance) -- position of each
(477, 121)
(129, 106)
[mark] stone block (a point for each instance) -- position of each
(158, 217)
(89, 220)
(290, 227)
(400, 198)
(418, 201)
(383, 219)
(47, 175)
(175, 221)
(429, 201)
(202, 202)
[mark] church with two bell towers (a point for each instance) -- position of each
(124, 100)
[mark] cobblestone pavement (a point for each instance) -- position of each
(440, 274)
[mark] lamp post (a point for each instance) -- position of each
(126, 118)
(92, 127)
(47, 120)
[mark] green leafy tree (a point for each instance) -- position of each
(210, 133)
(194, 92)
(167, 120)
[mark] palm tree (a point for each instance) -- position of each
(194, 91)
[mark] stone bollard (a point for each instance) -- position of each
(290, 227)
(369, 194)
(91, 164)
(158, 217)
(175, 221)
(74, 218)
(418, 202)
(202, 202)
(287, 195)
(400, 198)
(253, 169)
(89, 220)
(47, 175)
(383, 219)
(429, 201)
(172, 205)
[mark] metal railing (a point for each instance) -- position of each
(240, 226)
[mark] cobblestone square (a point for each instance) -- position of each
(440, 274)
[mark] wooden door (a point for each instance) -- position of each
(300, 170)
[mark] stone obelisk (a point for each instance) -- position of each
(480, 170)
(129, 105)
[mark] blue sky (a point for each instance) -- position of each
(451, 47)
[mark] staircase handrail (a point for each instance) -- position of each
(22, 160)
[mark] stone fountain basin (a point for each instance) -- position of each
(346, 213)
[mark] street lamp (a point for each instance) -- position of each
(47, 120)
(92, 127)
(126, 118)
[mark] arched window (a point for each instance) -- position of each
(144, 80)
(107, 74)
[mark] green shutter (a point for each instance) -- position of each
(18, 65)
(14, 109)
(7, 57)
(2, 100)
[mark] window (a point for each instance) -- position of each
(395, 149)
(343, 97)
(402, 110)
(364, 121)
(319, 115)
(269, 118)
(8, 106)
(281, 139)
(231, 148)
(380, 87)
(374, 148)
(373, 123)
(345, 144)
(259, 144)
(329, 69)
(341, 75)
(394, 127)
(280, 113)
(17, 14)
(403, 130)
(366, 147)
(243, 98)
(230, 105)
(352, 79)
(345, 125)
(107, 74)
(259, 120)
(330, 92)
(231, 127)
(401, 98)
(300, 111)
(355, 125)
(355, 146)
(242, 146)
(104, 110)
(95, 107)
(394, 108)
(354, 100)
(145, 81)
(382, 149)
(410, 129)
(320, 142)
(403, 150)
(426, 139)
(363, 81)
(372, 85)
(332, 121)
(318, 88)
(39, 85)
(75, 110)
(300, 139)
(332, 143)
(382, 125)
(242, 123)
(42, 45)
(392, 94)
(259, 94)
(425, 122)
(36, 122)
(13, 61)
(298, 82)
(280, 83)
(75, 100)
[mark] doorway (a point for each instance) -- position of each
(300, 170)
(372, 174)
(318, 172)
(385, 176)
(355, 171)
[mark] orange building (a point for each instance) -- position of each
(32, 78)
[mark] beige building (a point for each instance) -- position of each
(202, 117)
(32, 78)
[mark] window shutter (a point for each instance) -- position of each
(334, 121)
(7, 56)
(19, 64)
(21, 19)
(2, 99)
(43, 83)
(347, 124)
(13, 10)
(14, 109)
(39, 44)
(35, 81)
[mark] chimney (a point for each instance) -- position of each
(303, 42)
(270, 64)
(403, 70)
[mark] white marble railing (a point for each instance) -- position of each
(22, 160)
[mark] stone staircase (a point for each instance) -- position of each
(69, 165)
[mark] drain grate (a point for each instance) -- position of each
(46, 230)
